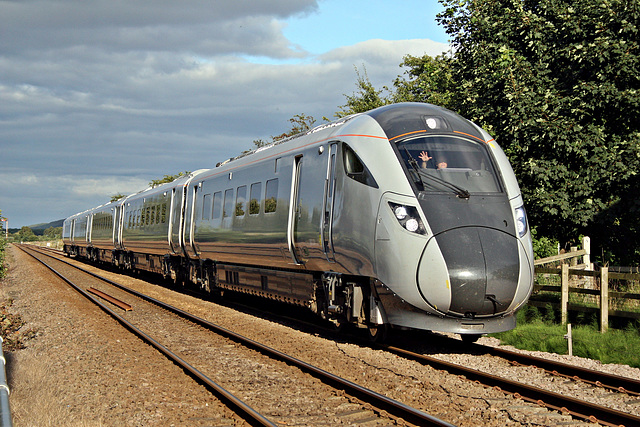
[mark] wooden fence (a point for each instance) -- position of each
(586, 281)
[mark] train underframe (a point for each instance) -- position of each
(337, 298)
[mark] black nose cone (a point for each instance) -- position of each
(483, 266)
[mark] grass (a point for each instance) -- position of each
(538, 331)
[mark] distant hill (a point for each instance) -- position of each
(38, 229)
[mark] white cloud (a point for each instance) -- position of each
(98, 98)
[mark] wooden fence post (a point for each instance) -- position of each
(604, 299)
(564, 296)
(586, 258)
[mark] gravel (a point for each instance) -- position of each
(81, 369)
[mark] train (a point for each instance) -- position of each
(407, 216)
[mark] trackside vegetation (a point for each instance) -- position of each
(538, 331)
(557, 84)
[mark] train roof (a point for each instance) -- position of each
(413, 118)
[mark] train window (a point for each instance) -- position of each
(241, 197)
(206, 207)
(163, 217)
(271, 196)
(355, 169)
(254, 201)
(152, 221)
(228, 203)
(158, 214)
(439, 162)
(148, 216)
(137, 218)
(217, 204)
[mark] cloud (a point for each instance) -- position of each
(98, 98)
(201, 27)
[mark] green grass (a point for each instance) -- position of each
(537, 331)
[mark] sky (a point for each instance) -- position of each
(101, 97)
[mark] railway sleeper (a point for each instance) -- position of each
(337, 298)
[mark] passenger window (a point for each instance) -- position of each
(217, 204)
(157, 214)
(206, 207)
(254, 202)
(164, 214)
(228, 203)
(147, 217)
(271, 196)
(153, 215)
(241, 197)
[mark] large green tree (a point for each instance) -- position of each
(557, 81)
(425, 79)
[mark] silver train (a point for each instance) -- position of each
(406, 216)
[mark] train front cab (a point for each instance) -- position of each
(465, 230)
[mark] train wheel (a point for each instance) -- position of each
(377, 333)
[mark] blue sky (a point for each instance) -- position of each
(99, 98)
(352, 21)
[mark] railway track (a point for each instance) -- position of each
(628, 388)
(577, 408)
(360, 404)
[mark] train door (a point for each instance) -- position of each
(329, 197)
(294, 210)
(310, 203)
(114, 225)
(120, 225)
(89, 227)
(175, 219)
(189, 224)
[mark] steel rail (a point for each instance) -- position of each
(382, 402)
(250, 415)
(548, 399)
(600, 379)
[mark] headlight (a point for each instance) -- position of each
(400, 212)
(408, 218)
(521, 221)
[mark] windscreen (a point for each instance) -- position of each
(435, 161)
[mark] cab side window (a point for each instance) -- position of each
(355, 169)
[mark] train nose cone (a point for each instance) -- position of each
(483, 267)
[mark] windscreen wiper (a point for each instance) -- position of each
(457, 190)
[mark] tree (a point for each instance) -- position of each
(366, 98)
(299, 123)
(118, 196)
(428, 80)
(25, 235)
(557, 83)
(53, 233)
(167, 178)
